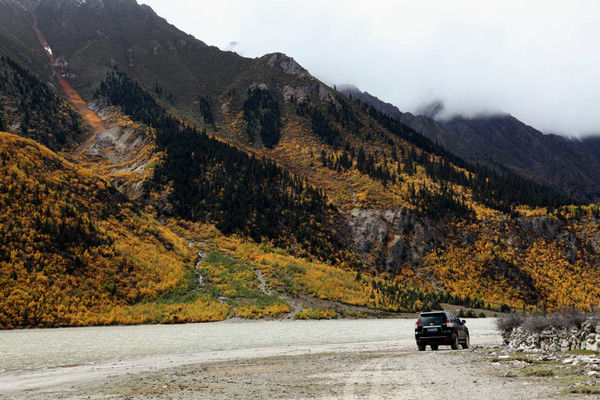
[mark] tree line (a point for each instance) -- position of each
(34, 109)
(263, 117)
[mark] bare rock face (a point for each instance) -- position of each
(325, 94)
(394, 237)
(287, 64)
(259, 86)
(546, 227)
(595, 242)
(396, 252)
(420, 242)
(122, 148)
(370, 229)
(297, 94)
(61, 63)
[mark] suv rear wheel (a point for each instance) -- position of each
(467, 343)
(421, 347)
(454, 344)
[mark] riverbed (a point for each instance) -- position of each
(50, 348)
(221, 360)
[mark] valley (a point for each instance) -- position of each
(133, 140)
(185, 221)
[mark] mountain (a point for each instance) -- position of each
(502, 141)
(270, 191)
(423, 124)
(34, 110)
(380, 105)
(19, 41)
(91, 37)
(570, 165)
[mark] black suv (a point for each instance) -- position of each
(441, 328)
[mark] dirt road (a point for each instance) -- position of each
(370, 370)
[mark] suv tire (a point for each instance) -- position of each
(454, 344)
(466, 344)
(421, 347)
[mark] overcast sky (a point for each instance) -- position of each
(538, 60)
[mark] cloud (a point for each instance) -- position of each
(231, 46)
(537, 60)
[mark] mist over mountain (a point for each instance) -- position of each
(501, 140)
(475, 56)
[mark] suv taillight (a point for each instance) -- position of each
(447, 321)
(417, 322)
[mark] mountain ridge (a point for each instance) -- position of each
(501, 140)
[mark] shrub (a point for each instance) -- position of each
(507, 322)
(565, 319)
(469, 314)
(571, 317)
(540, 322)
(504, 308)
(315, 313)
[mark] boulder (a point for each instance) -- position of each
(591, 345)
(554, 347)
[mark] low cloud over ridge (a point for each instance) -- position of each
(537, 60)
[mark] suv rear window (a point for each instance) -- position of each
(436, 318)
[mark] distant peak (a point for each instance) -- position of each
(386, 108)
(286, 63)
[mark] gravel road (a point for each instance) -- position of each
(390, 369)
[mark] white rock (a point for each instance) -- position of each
(593, 346)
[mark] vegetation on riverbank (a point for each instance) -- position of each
(538, 322)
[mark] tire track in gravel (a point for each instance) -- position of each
(367, 374)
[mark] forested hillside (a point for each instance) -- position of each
(210, 181)
(449, 205)
(31, 109)
(72, 249)
(223, 186)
